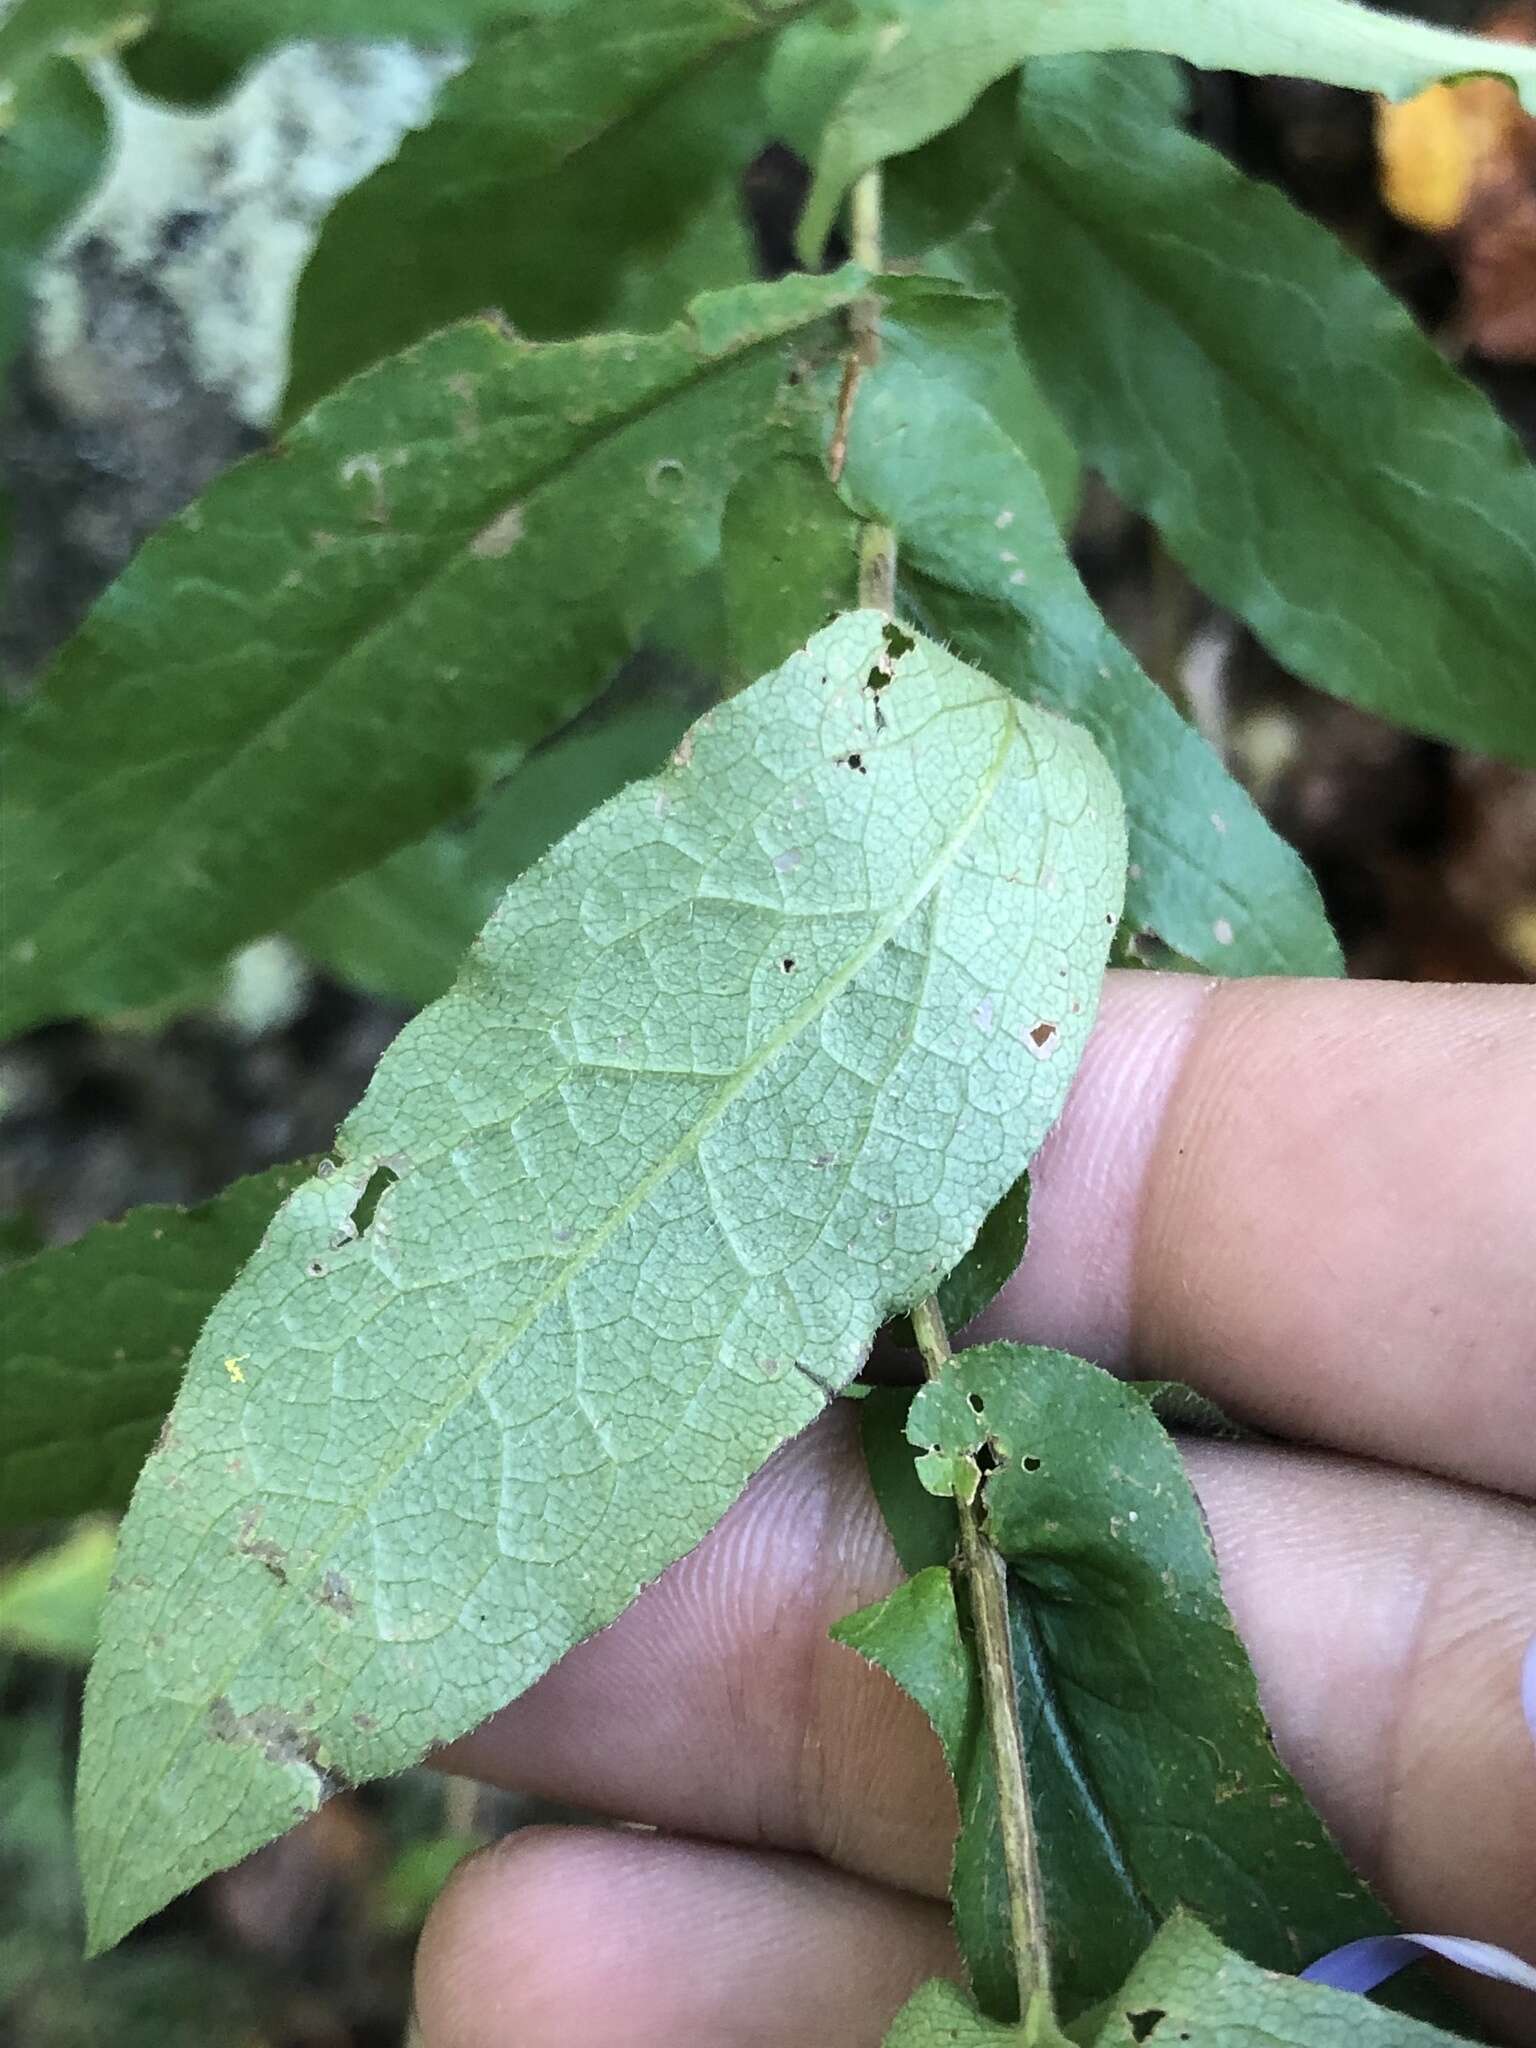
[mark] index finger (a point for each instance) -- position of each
(1315, 1201)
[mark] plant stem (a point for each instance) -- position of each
(863, 314)
(986, 1577)
(864, 220)
(877, 567)
(877, 543)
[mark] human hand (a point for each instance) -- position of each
(1317, 1203)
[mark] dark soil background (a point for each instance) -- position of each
(1426, 856)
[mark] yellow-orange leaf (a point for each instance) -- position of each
(1436, 148)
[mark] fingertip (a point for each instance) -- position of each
(1310, 1199)
(472, 1949)
(718, 1705)
(626, 1939)
(1075, 1289)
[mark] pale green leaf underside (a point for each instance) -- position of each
(1248, 384)
(444, 560)
(929, 68)
(1210, 1998)
(1187, 1988)
(939, 2015)
(732, 1073)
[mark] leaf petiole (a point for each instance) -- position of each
(986, 1579)
(864, 244)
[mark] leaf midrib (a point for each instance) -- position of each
(513, 1333)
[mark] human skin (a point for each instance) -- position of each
(1317, 1203)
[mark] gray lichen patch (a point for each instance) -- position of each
(221, 208)
(160, 343)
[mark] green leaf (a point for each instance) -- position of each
(609, 132)
(1308, 454)
(923, 1528)
(914, 1635)
(991, 1261)
(402, 930)
(719, 1089)
(1189, 1989)
(789, 560)
(298, 675)
(665, 259)
(52, 142)
(939, 2015)
(1187, 1412)
(989, 1264)
(983, 566)
(1151, 1771)
(197, 48)
(51, 1605)
(97, 1335)
(943, 329)
(931, 66)
(576, 772)
(932, 196)
(407, 1891)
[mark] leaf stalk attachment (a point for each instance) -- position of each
(986, 1579)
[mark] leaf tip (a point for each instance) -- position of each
(109, 1918)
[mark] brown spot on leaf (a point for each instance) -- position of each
(336, 1594)
(271, 1556)
(1043, 1038)
(278, 1736)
